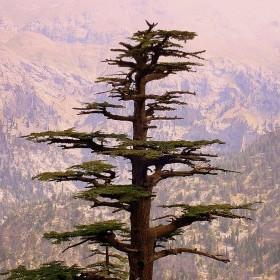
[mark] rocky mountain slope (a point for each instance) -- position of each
(253, 245)
(233, 103)
(50, 53)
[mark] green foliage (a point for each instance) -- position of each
(71, 134)
(159, 34)
(150, 41)
(97, 107)
(124, 193)
(130, 153)
(93, 167)
(57, 176)
(77, 172)
(50, 271)
(169, 146)
(211, 210)
(157, 149)
(168, 237)
(111, 270)
(146, 149)
(93, 232)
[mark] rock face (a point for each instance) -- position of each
(252, 246)
(50, 53)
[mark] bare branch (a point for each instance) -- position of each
(76, 244)
(167, 252)
(164, 217)
(164, 118)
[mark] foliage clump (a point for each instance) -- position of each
(211, 211)
(49, 271)
(123, 193)
(93, 232)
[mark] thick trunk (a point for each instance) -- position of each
(139, 124)
(140, 266)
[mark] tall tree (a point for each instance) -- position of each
(150, 55)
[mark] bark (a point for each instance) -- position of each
(140, 266)
(176, 251)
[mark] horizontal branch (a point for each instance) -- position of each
(164, 118)
(183, 221)
(181, 54)
(160, 175)
(196, 213)
(181, 92)
(154, 76)
(93, 140)
(196, 170)
(99, 232)
(90, 172)
(120, 63)
(167, 252)
(118, 205)
(76, 244)
(164, 217)
(101, 108)
(169, 95)
(117, 117)
(113, 241)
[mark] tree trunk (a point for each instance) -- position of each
(140, 266)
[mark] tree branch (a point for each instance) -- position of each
(198, 213)
(165, 174)
(101, 108)
(179, 222)
(164, 217)
(166, 96)
(117, 117)
(164, 118)
(154, 76)
(98, 203)
(167, 252)
(113, 241)
(76, 244)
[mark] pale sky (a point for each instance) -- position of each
(246, 31)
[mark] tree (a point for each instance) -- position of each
(151, 54)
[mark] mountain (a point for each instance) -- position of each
(234, 102)
(253, 245)
(50, 56)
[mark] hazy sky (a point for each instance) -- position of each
(244, 30)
